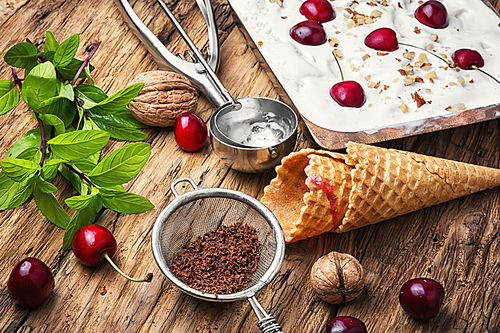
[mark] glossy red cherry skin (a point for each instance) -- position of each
(90, 242)
(382, 39)
(348, 94)
(317, 10)
(432, 14)
(421, 298)
(466, 58)
(308, 33)
(191, 132)
(345, 325)
(30, 283)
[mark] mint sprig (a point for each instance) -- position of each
(75, 122)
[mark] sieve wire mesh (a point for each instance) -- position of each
(201, 215)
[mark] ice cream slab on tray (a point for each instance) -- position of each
(408, 91)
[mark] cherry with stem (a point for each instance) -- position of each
(347, 93)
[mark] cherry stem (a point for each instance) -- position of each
(485, 73)
(421, 48)
(338, 63)
(148, 277)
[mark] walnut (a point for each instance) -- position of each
(164, 97)
(337, 277)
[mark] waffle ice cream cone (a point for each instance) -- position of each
(318, 191)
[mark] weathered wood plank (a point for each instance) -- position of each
(456, 242)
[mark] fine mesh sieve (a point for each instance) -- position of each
(197, 212)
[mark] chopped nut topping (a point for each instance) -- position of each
(422, 57)
(429, 47)
(333, 42)
(386, 87)
(417, 30)
(284, 17)
(434, 37)
(353, 68)
(366, 56)
(404, 108)
(409, 55)
(368, 77)
(382, 53)
(409, 69)
(259, 43)
(402, 72)
(427, 90)
(372, 84)
(456, 107)
(395, 80)
(409, 81)
(471, 81)
(418, 99)
(431, 80)
(338, 53)
(461, 80)
(431, 75)
(376, 13)
(418, 79)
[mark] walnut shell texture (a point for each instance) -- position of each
(164, 97)
(337, 277)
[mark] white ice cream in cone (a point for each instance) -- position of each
(318, 191)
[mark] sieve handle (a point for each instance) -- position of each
(267, 323)
(180, 180)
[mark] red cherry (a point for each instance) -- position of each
(90, 242)
(467, 59)
(317, 10)
(421, 298)
(190, 132)
(30, 283)
(308, 33)
(382, 39)
(345, 324)
(348, 94)
(94, 244)
(433, 14)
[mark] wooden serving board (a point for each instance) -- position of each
(456, 243)
(334, 140)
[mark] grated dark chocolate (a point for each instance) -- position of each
(219, 262)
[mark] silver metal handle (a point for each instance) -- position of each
(267, 323)
(196, 73)
(180, 180)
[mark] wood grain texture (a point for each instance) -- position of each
(456, 243)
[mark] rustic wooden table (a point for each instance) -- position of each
(457, 243)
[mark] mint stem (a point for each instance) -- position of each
(17, 81)
(44, 139)
(485, 73)
(338, 63)
(148, 277)
(85, 62)
(421, 48)
(82, 176)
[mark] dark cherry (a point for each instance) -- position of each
(94, 244)
(348, 94)
(190, 132)
(433, 14)
(30, 283)
(317, 10)
(345, 325)
(382, 39)
(467, 59)
(421, 298)
(308, 33)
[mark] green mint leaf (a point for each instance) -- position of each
(117, 131)
(43, 185)
(8, 188)
(121, 166)
(80, 201)
(51, 43)
(50, 208)
(85, 165)
(90, 93)
(40, 84)
(66, 51)
(128, 203)
(122, 117)
(23, 193)
(19, 170)
(78, 144)
(30, 141)
(69, 71)
(59, 106)
(50, 167)
(9, 96)
(66, 91)
(80, 219)
(119, 100)
(87, 70)
(53, 120)
(22, 55)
